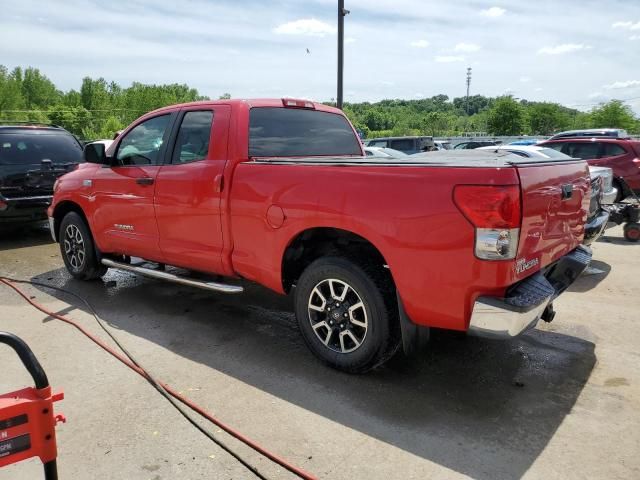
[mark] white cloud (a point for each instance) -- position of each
(595, 95)
(448, 58)
(627, 25)
(564, 48)
(493, 12)
(467, 47)
(305, 26)
(419, 44)
(619, 85)
(634, 37)
(349, 40)
(525, 79)
(538, 89)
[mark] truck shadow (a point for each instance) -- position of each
(483, 408)
(24, 237)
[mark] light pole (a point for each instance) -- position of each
(342, 12)
(468, 85)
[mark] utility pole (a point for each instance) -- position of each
(342, 12)
(468, 85)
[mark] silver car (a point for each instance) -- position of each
(609, 192)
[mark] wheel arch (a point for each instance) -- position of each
(62, 209)
(310, 244)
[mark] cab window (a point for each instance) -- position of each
(192, 142)
(142, 144)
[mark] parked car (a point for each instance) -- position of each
(408, 145)
(592, 132)
(528, 141)
(620, 155)
(443, 144)
(32, 157)
(474, 144)
(383, 152)
(374, 252)
(609, 191)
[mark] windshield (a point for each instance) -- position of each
(32, 148)
(292, 132)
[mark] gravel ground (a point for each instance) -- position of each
(562, 401)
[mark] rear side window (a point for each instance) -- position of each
(192, 143)
(290, 132)
(554, 152)
(377, 143)
(612, 150)
(583, 150)
(32, 148)
(404, 145)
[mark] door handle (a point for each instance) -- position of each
(144, 181)
(218, 183)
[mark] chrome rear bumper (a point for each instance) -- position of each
(526, 301)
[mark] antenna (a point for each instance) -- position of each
(468, 86)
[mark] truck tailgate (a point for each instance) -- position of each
(555, 204)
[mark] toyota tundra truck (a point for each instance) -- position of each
(375, 252)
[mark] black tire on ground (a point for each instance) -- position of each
(620, 195)
(77, 248)
(632, 232)
(364, 330)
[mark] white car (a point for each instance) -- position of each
(383, 152)
(609, 192)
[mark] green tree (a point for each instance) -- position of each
(506, 117)
(614, 114)
(547, 118)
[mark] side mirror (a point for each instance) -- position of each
(95, 153)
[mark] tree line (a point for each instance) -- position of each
(100, 108)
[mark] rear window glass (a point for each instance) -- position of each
(289, 132)
(32, 148)
(403, 144)
(612, 150)
(553, 153)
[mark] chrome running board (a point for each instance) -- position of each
(170, 277)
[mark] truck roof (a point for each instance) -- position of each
(250, 102)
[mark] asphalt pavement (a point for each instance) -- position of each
(560, 402)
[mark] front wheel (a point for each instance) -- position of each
(346, 314)
(78, 250)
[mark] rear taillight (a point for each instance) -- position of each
(495, 213)
(3, 205)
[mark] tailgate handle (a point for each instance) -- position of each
(567, 191)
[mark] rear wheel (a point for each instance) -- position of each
(78, 250)
(632, 232)
(346, 314)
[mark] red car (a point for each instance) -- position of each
(621, 155)
(374, 250)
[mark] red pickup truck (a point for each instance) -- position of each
(375, 251)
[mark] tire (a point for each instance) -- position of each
(78, 250)
(632, 232)
(619, 196)
(352, 330)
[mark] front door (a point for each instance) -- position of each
(189, 189)
(123, 192)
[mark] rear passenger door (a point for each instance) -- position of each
(190, 187)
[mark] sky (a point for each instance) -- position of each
(575, 52)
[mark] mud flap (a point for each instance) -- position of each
(414, 337)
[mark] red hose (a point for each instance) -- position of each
(234, 433)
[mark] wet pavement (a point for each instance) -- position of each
(562, 401)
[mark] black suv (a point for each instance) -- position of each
(32, 157)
